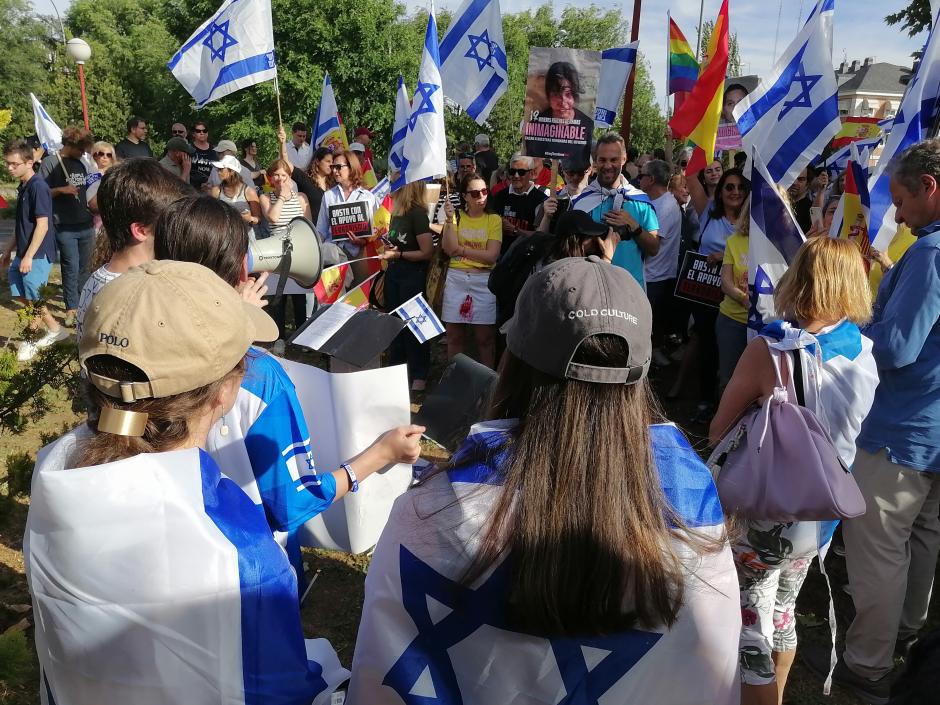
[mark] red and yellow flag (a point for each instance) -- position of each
(359, 297)
(698, 117)
(330, 286)
(855, 129)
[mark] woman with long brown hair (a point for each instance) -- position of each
(572, 546)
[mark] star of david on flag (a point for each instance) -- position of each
(794, 112)
(420, 317)
(473, 59)
(424, 152)
(399, 128)
(233, 49)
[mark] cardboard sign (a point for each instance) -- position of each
(561, 92)
(350, 219)
(699, 281)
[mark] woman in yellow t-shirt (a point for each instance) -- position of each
(731, 324)
(881, 262)
(473, 244)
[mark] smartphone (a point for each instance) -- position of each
(816, 215)
(385, 241)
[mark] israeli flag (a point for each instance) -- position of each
(424, 154)
(155, 579)
(473, 58)
(327, 127)
(421, 319)
(840, 158)
(233, 49)
(774, 240)
(616, 67)
(400, 127)
(794, 112)
(382, 189)
(425, 637)
(49, 134)
(912, 124)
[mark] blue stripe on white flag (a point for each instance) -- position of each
(486, 95)
(624, 54)
(810, 130)
(776, 93)
(459, 28)
(240, 69)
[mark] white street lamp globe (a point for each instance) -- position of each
(79, 50)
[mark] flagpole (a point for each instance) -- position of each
(277, 94)
(668, 56)
(698, 41)
(628, 94)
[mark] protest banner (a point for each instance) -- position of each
(350, 219)
(346, 413)
(699, 280)
(561, 92)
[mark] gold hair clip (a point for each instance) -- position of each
(121, 422)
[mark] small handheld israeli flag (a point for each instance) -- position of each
(616, 67)
(421, 319)
(233, 49)
(49, 134)
(399, 128)
(473, 58)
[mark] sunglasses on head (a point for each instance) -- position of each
(477, 192)
(109, 155)
(736, 187)
(517, 172)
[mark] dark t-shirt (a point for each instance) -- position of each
(71, 212)
(34, 200)
(487, 163)
(801, 209)
(202, 165)
(404, 229)
(126, 149)
(519, 208)
(308, 187)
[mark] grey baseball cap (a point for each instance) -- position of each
(571, 300)
(180, 145)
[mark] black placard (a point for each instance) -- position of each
(699, 281)
(350, 219)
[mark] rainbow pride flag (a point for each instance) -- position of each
(683, 68)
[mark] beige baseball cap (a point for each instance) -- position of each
(177, 321)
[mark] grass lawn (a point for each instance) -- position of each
(341, 576)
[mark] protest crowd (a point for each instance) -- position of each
(577, 547)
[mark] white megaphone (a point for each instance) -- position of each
(301, 241)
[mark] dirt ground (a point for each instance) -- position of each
(340, 577)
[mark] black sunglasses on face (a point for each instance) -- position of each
(200, 129)
(338, 166)
(179, 132)
(736, 187)
(517, 172)
(103, 154)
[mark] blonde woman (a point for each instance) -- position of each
(411, 248)
(105, 157)
(823, 299)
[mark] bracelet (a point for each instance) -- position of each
(353, 482)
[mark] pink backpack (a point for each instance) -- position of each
(778, 463)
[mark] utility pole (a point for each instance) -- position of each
(628, 94)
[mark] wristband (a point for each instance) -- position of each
(353, 482)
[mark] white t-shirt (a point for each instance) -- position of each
(96, 282)
(301, 157)
(665, 263)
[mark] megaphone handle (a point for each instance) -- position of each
(282, 270)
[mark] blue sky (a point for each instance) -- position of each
(860, 29)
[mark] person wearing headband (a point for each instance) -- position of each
(573, 549)
(154, 577)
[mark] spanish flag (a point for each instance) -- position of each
(359, 297)
(697, 118)
(330, 286)
(855, 129)
(856, 203)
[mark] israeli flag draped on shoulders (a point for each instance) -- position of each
(794, 112)
(473, 58)
(399, 127)
(616, 67)
(49, 134)
(426, 638)
(424, 154)
(233, 49)
(915, 117)
(172, 569)
(773, 242)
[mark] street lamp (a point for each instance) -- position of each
(80, 52)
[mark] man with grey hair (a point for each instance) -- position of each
(660, 270)
(518, 203)
(487, 162)
(891, 551)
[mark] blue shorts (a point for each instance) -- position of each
(26, 286)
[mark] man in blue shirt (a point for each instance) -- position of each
(612, 200)
(891, 551)
(33, 245)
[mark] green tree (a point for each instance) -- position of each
(735, 67)
(914, 18)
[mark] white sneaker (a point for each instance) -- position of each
(52, 337)
(26, 351)
(278, 348)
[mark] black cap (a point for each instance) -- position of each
(580, 224)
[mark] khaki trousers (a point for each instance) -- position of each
(891, 558)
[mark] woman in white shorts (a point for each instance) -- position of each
(472, 239)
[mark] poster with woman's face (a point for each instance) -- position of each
(561, 91)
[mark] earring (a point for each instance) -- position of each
(223, 429)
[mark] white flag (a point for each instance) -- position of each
(420, 317)
(233, 49)
(473, 58)
(49, 134)
(327, 129)
(399, 127)
(616, 67)
(794, 112)
(425, 150)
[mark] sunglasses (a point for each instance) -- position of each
(109, 155)
(683, 163)
(338, 166)
(477, 192)
(736, 187)
(200, 129)
(179, 132)
(517, 172)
